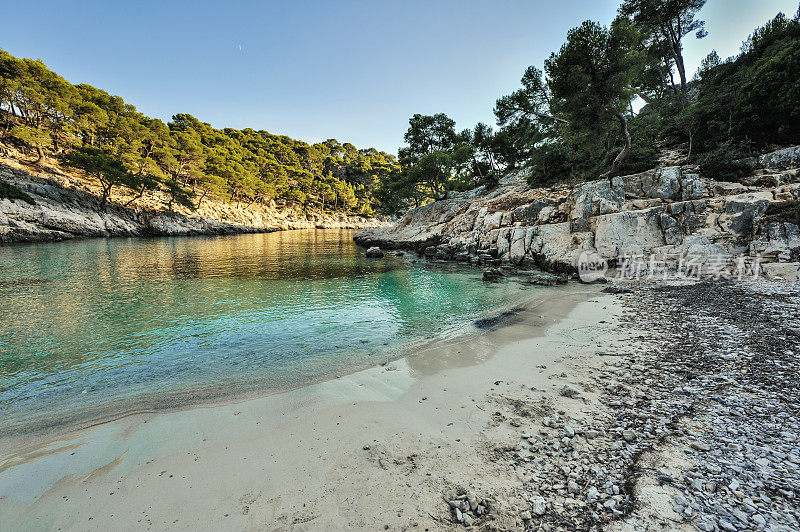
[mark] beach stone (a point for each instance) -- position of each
(374, 253)
(569, 391)
(539, 505)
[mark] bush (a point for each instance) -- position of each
(724, 164)
(9, 191)
(550, 163)
(644, 130)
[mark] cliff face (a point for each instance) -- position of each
(67, 207)
(666, 213)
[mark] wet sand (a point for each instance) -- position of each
(381, 447)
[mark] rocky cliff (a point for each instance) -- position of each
(66, 206)
(668, 213)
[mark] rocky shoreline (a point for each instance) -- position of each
(690, 422)
(666, 214)
(66, 207)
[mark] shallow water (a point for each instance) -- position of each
(96, 327)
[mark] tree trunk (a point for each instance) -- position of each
(623, 122)
(40, 155)
(106, 194)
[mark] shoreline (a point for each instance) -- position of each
(34, 432)
(380, 385)
(670, 406)
(68, 208)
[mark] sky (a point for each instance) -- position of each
(351, 70)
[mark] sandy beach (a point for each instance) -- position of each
(377, 448)
(663, 406)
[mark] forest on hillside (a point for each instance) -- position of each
(89, 129)
(572, 119)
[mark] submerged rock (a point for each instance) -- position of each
(374, 253)
(492, 274)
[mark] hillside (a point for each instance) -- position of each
(67, 205)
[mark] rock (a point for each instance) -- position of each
(492, 274)
(547, 279)
(468, 520)
(628, 435)
(700, 446)
(665, 183)
(616, 290)
(592, 494)
(473, 500)
(539, 505)
(569, 391)
(374, 253)
(785, 158)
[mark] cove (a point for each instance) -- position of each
(93, 329)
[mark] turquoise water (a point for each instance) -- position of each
(94, 328)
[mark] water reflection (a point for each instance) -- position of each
(117, 321)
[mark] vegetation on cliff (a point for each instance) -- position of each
(90, 129)
(574, 119)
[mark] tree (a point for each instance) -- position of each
(33, 137)
(426, 134)
(592, 81)
(664, 24)
(107, 169)
(186, 158)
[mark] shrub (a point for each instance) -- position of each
(9, 191)
(725, 163)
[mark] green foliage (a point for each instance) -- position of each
(11, 192)
(725, 163)
(186, 158)
(753, 100)
(662, 25)
(591, 76)
(99, 163)
(551, 162)
(592, 79)
(645, 129)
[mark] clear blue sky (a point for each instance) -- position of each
(352, 70)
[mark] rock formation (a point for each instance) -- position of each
(667, 213)
(66, 208)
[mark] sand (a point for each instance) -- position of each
(379, 448)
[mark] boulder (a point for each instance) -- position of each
(596, 197)
(492, 274)
(628, 233)
(780, 159)
(786, 271)
(547, 279)
(665, 183)
(779, 241)
(374, 253)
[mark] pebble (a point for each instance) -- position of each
(539, 505)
